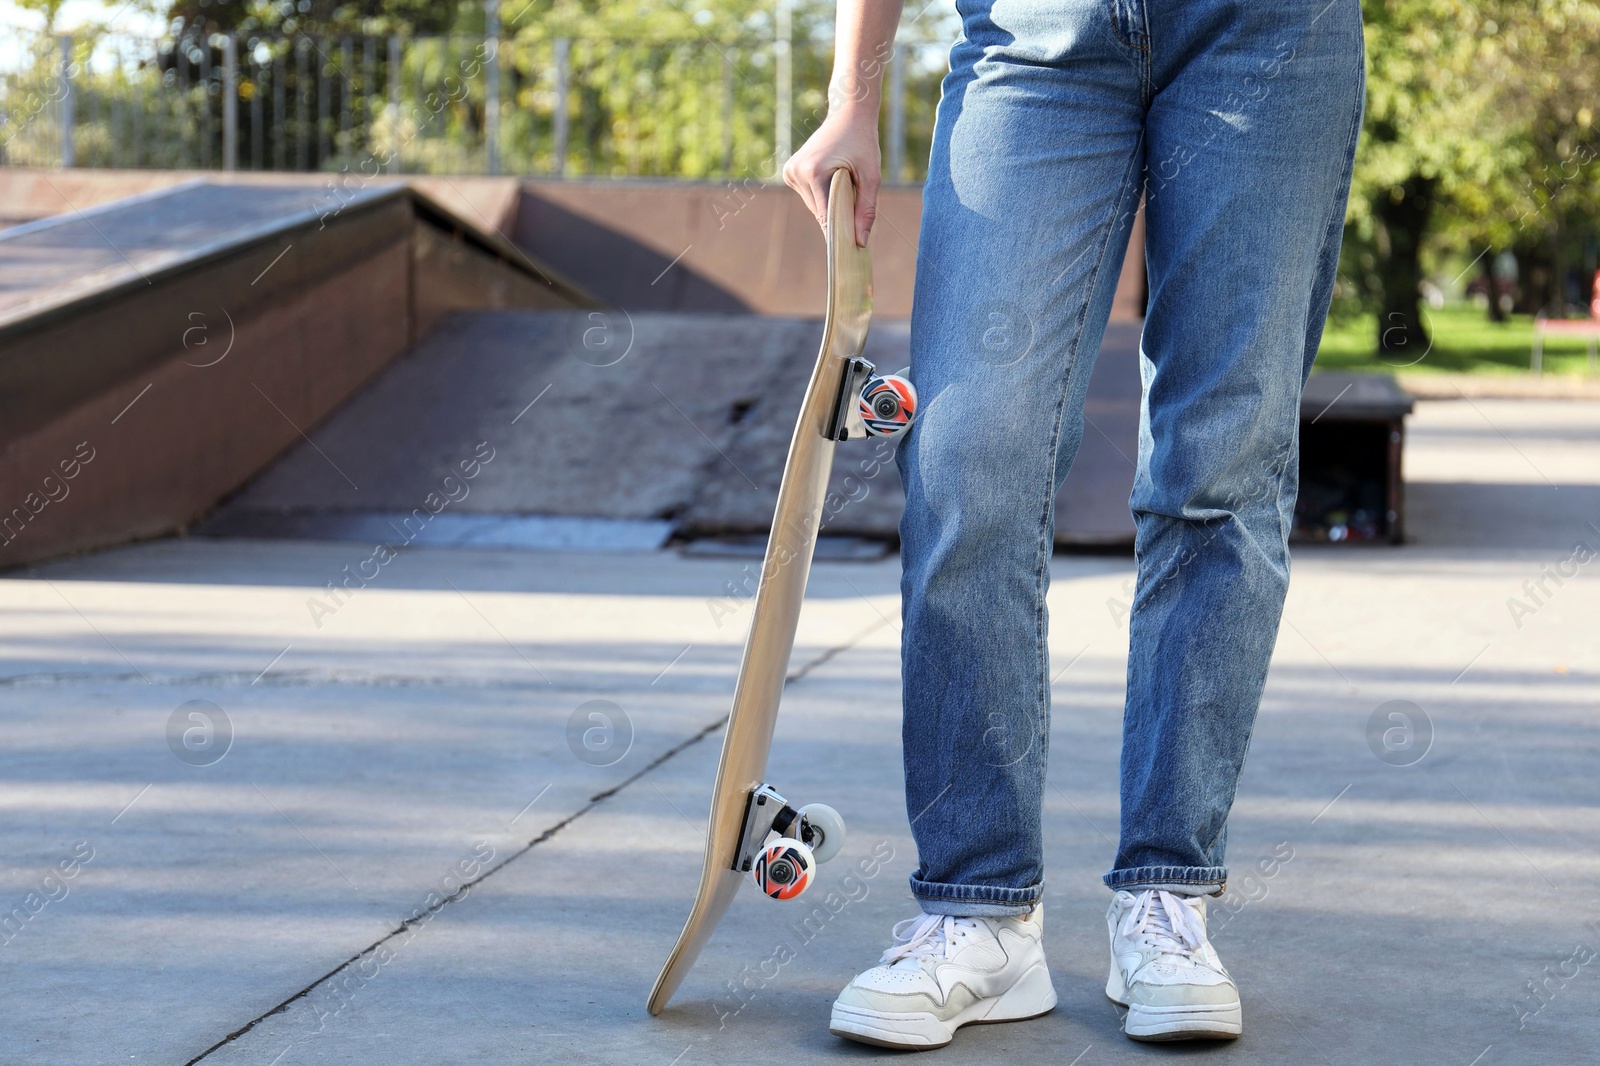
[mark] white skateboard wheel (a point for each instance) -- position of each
(888, 404)
(827, 830)
(784, 868)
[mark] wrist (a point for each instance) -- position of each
(855, 100)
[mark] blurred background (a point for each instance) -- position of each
(1473, 211)
(393, 400)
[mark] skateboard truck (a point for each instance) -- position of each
(807, 836)
(870, 405)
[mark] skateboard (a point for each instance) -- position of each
(754, 833)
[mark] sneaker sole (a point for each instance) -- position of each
(1155, 1024)
(1210, 1021)
(1033, 995)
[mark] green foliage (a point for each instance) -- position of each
(1491, 106)
(1463, 341)
(326, 18)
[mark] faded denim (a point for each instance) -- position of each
(1237, 121)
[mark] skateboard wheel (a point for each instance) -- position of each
(827, 830)
(888, 404)
(784, 867)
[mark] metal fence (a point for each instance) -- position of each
(556, 106)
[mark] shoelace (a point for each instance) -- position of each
(1166, 923)
(925, 936)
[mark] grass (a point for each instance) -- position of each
(1463, 341)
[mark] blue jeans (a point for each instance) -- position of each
(1237, 122)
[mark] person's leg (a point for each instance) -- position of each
(1251, 133)
(1034, 179)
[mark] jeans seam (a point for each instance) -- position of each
(1046, 523)
(1146, 88)
(1334, 224)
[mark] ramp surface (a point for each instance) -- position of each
(675, 417)
(182, 338)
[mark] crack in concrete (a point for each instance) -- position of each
(308, 677)
(594, 801)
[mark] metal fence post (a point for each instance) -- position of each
(727, 111)
(782, 143)
(230, 103)
(491, 90)
(894, 171)
(65, 106)
(559, 130)
(394, 166)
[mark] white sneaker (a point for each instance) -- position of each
(942, 973)
(1165, 971)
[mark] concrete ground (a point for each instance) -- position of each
(273, 876)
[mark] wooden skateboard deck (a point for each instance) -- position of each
(764, 668)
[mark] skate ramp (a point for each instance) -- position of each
(646, 426)
(183, 338)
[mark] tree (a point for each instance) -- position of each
(50, 9)
(1477, 137)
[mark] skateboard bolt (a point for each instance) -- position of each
(780, 872)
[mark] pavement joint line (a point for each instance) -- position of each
(283, 679)
(466, 886)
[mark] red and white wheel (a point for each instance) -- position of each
(888, 404)
(784, 868)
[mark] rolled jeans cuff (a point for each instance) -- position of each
(975, 901)
(1179, 880)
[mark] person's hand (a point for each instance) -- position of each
(847, 139)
